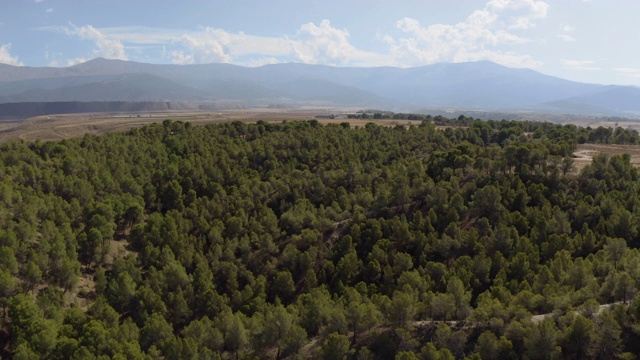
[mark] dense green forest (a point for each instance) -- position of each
(300, 240)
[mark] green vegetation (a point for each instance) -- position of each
(300, 240)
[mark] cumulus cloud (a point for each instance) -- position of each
(584, 65)
(322, 44)
(313, 44)
(210, 45)
(179, 57)
(75, 61)
(326, 44)
(206, 44)
(7, 58)
(105, 46)
(477, 37)
(491, 33)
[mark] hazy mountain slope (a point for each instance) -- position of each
(20, 86)
(619, 98)
(476, 85)
(128, 87)
(473, 85)
(330, 92)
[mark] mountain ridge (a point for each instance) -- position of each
(471, 85)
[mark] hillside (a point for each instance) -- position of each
(299, 240)
(471, 86)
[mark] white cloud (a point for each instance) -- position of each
(7, 58)
(211, 45)
(491, 33)
(313, 44)
(105, 47)
(567, 38)
(632, 72)
(517, 14)
(322, 44)
(54, 58)
(143, 35)
(179, 57)
(75, 61)
(49, 10)
(263, 61)
(39, 1)
(565, 35)
(480, 36)
(583, 65)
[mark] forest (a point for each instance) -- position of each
(301, 240)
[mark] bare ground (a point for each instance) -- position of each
(585, 153)
(58, 127)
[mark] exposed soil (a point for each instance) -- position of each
(585, 153)
(58, 127)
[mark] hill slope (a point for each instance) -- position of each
(476, 85)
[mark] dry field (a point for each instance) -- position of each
(585, 152)
(58, 127)
(633, 125)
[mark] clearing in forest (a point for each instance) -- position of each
(585, 153)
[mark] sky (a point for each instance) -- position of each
(582, 40)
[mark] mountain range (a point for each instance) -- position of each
(473, 86)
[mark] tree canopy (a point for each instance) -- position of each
(253, 240)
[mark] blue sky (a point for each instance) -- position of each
(583, 40)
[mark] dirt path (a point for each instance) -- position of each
(601, 308)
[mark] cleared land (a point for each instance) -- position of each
(585, 152)
(58, 127)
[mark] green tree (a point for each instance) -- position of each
(402, 309)
(616, 248)
(335, 347)
(461, 297)
(280, 329)
(156, 331)
(541, 342)
(235, 337)
(7, 290)
(361, 315)
(608, 337)
(577, 339)
(406, 355)
(490, 347)
(121, 291)
(443, 306)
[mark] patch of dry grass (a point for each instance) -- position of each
(65, 126)
(585, 153)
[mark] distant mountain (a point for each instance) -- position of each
(126, 87)
(473, 86)
(618, 98)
